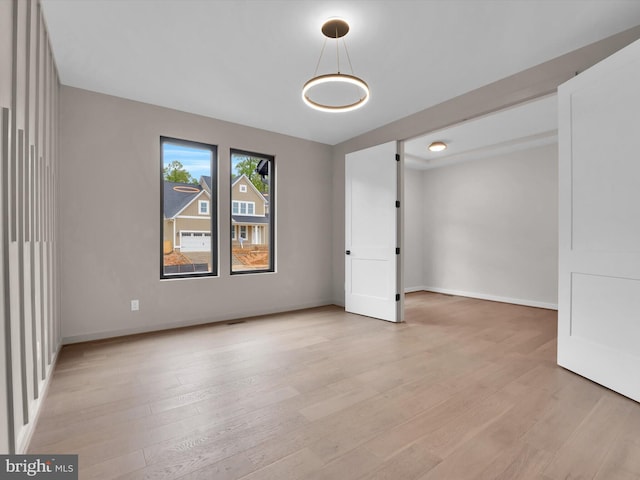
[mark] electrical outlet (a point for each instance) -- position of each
(135, 305)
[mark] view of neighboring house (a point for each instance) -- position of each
(187, 216)
(249, 213)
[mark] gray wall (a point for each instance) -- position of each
(30, 335)
(110, 221)
(531, 83)
(491, 228)
(413, 230)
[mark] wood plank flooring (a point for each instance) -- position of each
(465, 389)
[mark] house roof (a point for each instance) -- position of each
(177, 196)
(175, 200)
(248, 219)
(207, 181)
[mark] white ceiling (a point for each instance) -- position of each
(528, 125)
(245, 61)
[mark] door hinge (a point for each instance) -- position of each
(397, 250)
(397, 157)
(397, 297)
(397, 203)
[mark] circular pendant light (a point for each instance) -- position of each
(336, 78)
(335, 28)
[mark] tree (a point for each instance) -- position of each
(247, 166)
(175, 172)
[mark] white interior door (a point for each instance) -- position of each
(372, 263)
(599, 263)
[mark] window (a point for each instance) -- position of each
(243, 208)
(252, 212)
(188, 209)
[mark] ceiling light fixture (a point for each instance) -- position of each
(437, 146)
(336, 28)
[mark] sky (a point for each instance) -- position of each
(197, 161)
(234, 161)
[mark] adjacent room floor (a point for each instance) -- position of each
(465, 389)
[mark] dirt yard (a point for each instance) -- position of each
(176, 258)
(252, 257)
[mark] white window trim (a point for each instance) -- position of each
(191, 217)
(200, 203)
(243, 188)
(240, 202)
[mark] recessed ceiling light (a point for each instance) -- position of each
(437, 146)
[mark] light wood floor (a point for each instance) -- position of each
(465, 389)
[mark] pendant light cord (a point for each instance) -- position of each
(319, 59)
(348, 57)
(337, 50)
(324, 45)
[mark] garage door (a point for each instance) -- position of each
(195, 241)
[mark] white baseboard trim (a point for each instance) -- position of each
(89, 337)
(484, 296)
(26, 433)
(413, 289)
